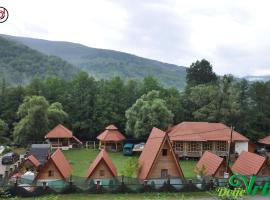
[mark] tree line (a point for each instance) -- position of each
(86, 105)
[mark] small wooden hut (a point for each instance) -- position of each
(248, 164)
(111, 139)
(102, 169)
(158, 161)
(57, 168)
(212, 165)
(31, 163)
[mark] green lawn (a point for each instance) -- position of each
(81, 159)
(142, 196)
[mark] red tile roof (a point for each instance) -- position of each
(61, 131)
(102, 156)
(203, 131)
(33, 160)
(60, 162)
(211, 161)
(111, 134)
(150, 152)
(248, 164)
(265, 140)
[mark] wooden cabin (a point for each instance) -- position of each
(57, 168)
(191, 139)
(61, 137)
(111, 139)
(102, 169)
(158, 161)
(213, 165)
(249, 164)
(31, 163)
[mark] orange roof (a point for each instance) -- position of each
(33, 160)
(265, 140)
(111, 133)
(60, 162)
(102, 156)
(203, 131)
(61, 131)
(211, 161)
(151, 149)
(248, 164)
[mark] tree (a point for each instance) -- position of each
(36, 117)
(56, 114)
(131, 167)
(82, 105)
(3, 132)
(149, 111)
(200, 72)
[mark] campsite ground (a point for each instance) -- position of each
(80, 160)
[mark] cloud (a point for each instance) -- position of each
(233, 35)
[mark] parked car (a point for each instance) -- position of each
(10, 158)
(128, 149)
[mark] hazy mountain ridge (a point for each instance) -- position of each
(102, 63)
(19, 63)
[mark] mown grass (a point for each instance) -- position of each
(141, 196)
(81, 159)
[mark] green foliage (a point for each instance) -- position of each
(149, 111)
(200, 72)
(36, 117)
(201, 171)
(131, 167)
(19, 63)
(3, 132)
(106, 64)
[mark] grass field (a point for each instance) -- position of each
(81, 159)
(144, 196)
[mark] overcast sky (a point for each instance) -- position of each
(234, 35)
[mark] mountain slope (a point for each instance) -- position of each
(105, 64)
(258, 78)
(19, 63)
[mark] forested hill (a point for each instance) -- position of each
(19, 64)
(106, 64)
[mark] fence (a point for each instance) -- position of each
(121, 184)
(28, 188)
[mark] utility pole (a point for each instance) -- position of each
(229, 151)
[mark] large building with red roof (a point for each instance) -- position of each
(249, 164)
(191, 139)
(212, 165)
(102, 168)
(265, 141)
(111, 139)
(57, 168)
(158, 160)
(61, 137)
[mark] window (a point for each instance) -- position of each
(164, 152)
(50, 173)
(194, 146)
(164, 173)
(208, 146)
(179, 146)
(101, 173)
(221, 146)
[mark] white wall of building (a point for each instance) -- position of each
(241, 146)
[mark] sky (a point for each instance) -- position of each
(234, 35)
